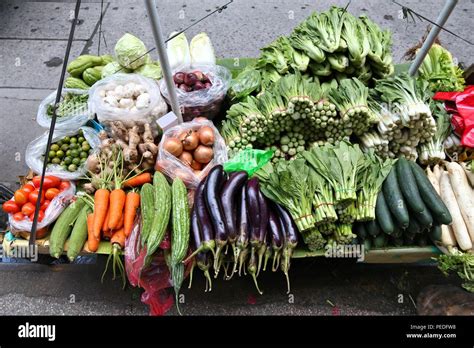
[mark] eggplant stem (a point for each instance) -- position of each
(265, 262)
(194, 253)
(255, 281)
(287, 281)
(209, 280)
(236, 252)
(276, 261)
(260, 254)
(191, 274)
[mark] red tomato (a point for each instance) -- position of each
(34, 196)
(10, 207)
(21, 197)
(28, 209)
(18, 216)
(28, 188)
(49, 181)
(64, 185)
(40, 216)
(51, 193)
(45, 205)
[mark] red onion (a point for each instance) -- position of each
(190, 79)
(179, 78)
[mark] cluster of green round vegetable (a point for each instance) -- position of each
(70, 152)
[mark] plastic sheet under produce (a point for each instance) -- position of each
(35, 153)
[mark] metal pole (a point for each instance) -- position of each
(162, 54)
(434, 32)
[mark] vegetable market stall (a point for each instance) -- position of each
(319, 143)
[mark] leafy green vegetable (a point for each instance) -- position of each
(131, 52)
(248, 81)
(460, 263)
(151, 70)
(71, 104)
(201, 50)
(439, 70)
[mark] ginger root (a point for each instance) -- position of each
(130, 154)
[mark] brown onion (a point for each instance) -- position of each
(206, 135)
(200, 119)
(203, 154)
(186, 158)
(190, 140)
(196, 165)
(173, 146)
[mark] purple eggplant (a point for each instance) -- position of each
(243, 232)
(275, 230)
(203, 223)
(229, 200)
(263, 228)
(291, 240)
(212, 192)
(253, 209)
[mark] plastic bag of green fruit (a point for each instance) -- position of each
(68, 154)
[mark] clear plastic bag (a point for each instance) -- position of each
(77, 118)
(156, 108)
(205, 102)
(35, 150)
(173, 167)
(52, 212)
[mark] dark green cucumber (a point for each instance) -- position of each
(435, 233)
(430, 197)
(383, 215)
(407, 184)
(360, 231)
(421, 240)
(367, 244)
(380, 241)
(393, 197)
(397, 233)
(373, 228)
(414, 227)
(424, 218)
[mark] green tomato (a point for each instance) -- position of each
(68, 160)
(52, 154)
(83, 154)
(81, 140)
(64, 147)
(76, 161)
(73, 140)
(72, 168)
(56, 160)
(60, 153)
(66, 140)
(74, 153)
(54, 147)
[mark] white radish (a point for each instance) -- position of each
(437, 172)
(433, 179)
(463, 193)
(469, 174)
(458, 225)
(448, 239)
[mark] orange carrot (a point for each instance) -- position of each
(138, 180)
(107, 234)
(132, 203)
(117, 202)
(118, 238)
(101, 204)
(92, 242)
(120, 224)
(105, 225)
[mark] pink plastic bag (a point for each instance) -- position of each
(155, 279)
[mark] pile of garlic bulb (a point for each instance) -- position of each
(131, 96)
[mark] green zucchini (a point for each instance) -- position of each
(79, 234)
(147, 206)
(373, 228)
(383, 215)
(180, 221)
(62, 227)
(161, 215)
(380, 241)
(393, 197)
(408, 186)
(430, 197)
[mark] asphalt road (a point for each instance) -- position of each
(32, 42)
